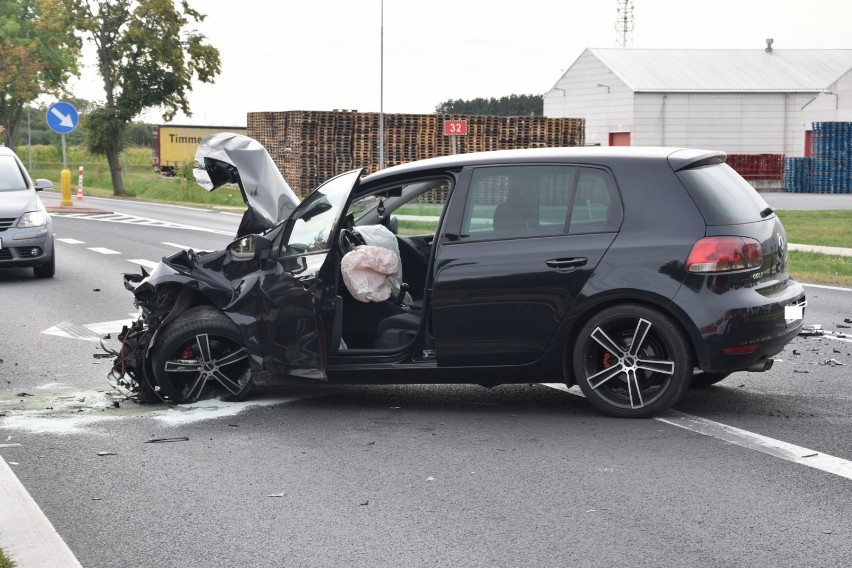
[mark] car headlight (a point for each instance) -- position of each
(33, 219)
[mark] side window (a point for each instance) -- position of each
(596, 207)
(420, 216)
(415, 207)
(518, 201)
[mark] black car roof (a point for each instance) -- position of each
(678, 158)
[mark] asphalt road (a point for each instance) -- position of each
(808, 201)
(408, 476)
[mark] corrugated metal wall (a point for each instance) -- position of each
(747, 123)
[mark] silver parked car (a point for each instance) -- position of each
(26, 230)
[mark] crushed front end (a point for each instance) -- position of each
(160, 297)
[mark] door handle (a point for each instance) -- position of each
(566, 262)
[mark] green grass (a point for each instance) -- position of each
(832, 228)
(140, 181)
(818, 268)
(5, 562)
(824, 228)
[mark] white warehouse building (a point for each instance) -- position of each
(760, 101)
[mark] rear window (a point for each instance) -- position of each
(722, 195)
(11, 177)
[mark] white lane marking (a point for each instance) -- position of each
(28, 536)
(838, 288)
(184, 247)
(136, 220)
(103, 250)
(759, 443)
(87, 332)
(745, 439)
(838, 338)
(143, 262)
(71, 241)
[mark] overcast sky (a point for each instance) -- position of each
(326, 54)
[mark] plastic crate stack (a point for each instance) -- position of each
(757, 166)
(797, 175)
(831, 161)
(310, 147)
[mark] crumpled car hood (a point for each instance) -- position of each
(265, 189)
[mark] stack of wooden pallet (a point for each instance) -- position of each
(311, 146)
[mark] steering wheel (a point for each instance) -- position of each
(348, 240)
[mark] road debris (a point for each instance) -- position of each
(276, 495)
(365, 503)
(165, 440)
(14, 445)
(833, 362)
(23, 394)
(430, 479)
(107, 454)
(814, 330)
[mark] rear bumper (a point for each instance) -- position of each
(733, 339)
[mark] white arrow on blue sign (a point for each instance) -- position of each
(62, 117)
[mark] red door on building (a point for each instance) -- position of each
(619, 139)
(809, 143)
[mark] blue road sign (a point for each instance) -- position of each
(62, 117)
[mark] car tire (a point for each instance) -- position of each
(46, 270)
(703, 380)
(201, 355)
(632, 361)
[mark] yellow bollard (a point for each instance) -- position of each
(65, 183)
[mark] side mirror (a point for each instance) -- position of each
(250, 247)
(393, 224)
(42, 184)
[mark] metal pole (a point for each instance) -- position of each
(29, 140)
(382, 89)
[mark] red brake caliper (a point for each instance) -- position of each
(607, 359)
(187, 353)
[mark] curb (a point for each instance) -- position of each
(840, 251)
(75, 209)
(28, 537)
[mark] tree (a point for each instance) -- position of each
(148, 56)
(37, 55)
(513, 105)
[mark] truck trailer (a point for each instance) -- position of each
(172, 145)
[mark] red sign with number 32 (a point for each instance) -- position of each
(455, 127)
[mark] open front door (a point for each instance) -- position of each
(297, 292)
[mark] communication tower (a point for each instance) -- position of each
(624, 24)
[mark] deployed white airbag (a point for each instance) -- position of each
(381, 236)
(367, 272)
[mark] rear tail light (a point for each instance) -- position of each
(724, 254)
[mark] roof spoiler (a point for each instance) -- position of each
(688, 159)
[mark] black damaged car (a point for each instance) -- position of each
(631, 272)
